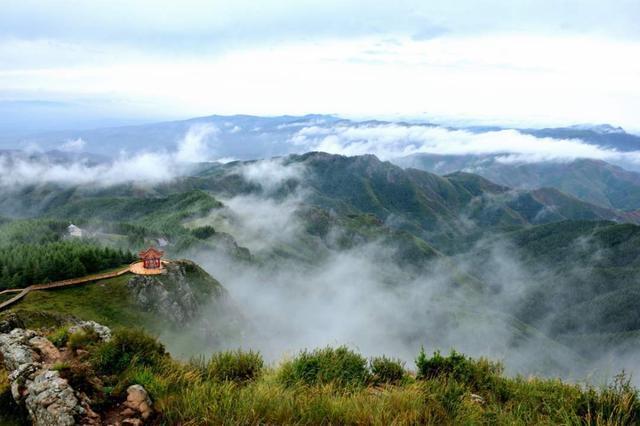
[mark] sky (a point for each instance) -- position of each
(518, 62)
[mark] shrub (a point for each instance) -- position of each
(387, 370)
(236, 366)
(59, 336)
(616, 403)
(126, 348)
(479, 375)
(82, 338)
(340, 366)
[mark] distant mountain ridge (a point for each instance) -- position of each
(248, 137)
(593, 181)
(416, 201)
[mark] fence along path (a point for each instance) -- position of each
(22, 292)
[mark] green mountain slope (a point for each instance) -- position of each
(587, 283)
(592, 181)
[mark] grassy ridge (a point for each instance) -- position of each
(336, 386)
(107, 301)
(184, 394)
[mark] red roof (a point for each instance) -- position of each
(151, 253)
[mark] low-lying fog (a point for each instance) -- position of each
(360, 297)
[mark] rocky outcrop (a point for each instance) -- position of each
(186, 296)
(49, 399)
(170, 294)
(46, 396)
(16, 350)
(102, 331)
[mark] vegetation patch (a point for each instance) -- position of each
(24, 264)
(479, 375)
(127, 347)
(82, 339)
(338, 366)
(237, 366)
(387, 370)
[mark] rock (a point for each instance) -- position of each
(19, 378)
(170, 294)
(16, 350)
(51, 401)
(128, 412)
(102, 331)
(9, 322)
(47, 351)
(48, 398)
(477, 399)
(81, 353)
(139, 401)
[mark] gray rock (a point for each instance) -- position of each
(102, 331)
(19, 378)
(138, 401)
(47, 397)
(9, 322)
(15, 348)
(51, 401)
(170, 294)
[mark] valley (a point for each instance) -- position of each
(309, 250)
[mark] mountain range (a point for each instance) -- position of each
(474, 247)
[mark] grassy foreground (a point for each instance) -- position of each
(331, 386)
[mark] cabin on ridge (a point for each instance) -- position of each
(151, 258)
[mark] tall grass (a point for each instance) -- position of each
(339, 386)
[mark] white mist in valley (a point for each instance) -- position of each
(362, 298)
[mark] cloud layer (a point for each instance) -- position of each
(360, 297)
(390, 141)
(18, 169)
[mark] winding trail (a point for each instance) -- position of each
(22, 292)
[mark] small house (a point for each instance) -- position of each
(74, 231)
(151, 258)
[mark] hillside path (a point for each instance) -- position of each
(22, 292)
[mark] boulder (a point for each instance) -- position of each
(477, 399)
(48, 398)
(16, 349)
(51, 401)
(102, 331)
(46, 350)
(138, 400)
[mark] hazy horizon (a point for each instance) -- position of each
(67, 65)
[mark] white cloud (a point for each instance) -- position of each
(73, 145)
(389, 141)
(193, 147)
(144, 167)
(271, 174)
(501, 78)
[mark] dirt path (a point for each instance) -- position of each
(22, 292)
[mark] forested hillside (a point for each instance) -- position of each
(36, 251)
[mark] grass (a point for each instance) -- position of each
(184, 396)
(336, 386)
(340, 366)
(107, 302)
(237, 366)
